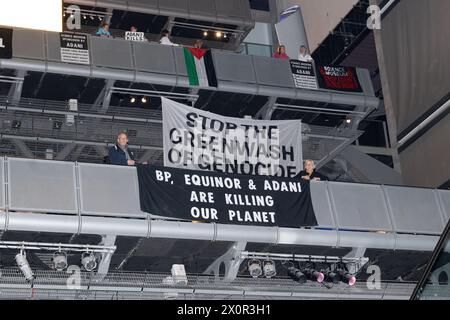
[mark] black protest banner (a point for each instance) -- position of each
(204, 196)
(6, 43)
(339, 78)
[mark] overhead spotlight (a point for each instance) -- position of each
(92, 17)
(225, 36)
(144, 100)
(133, 100)
(297, 275)
(314, 275)
(347, 278)
(219, 34)
(16, 124)
(24, 266)
(60, 260)
(57, 125)
(205, 33)
(100, 18)
(88, 261)
(348, 120)
(254, 268)
(269, 269)
(331, 276)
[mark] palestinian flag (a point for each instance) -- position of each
(200, 67)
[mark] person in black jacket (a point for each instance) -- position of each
(310, 173)
(120, 154)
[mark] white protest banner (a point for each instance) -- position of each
(134, 36)
(199, 140)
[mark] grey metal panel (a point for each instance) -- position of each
(180, 61)
(444, 197)
(42, 186)
(414, 210)
(234, 67)
(321, 205)
(201, 8)
(366, 210)
(173, 6)
(53, 46)
(28, 44)
(230, 8)
(137, 5)
(273, 72)
(112, 53)
(2, 183)
(154, 58)
(109, 190)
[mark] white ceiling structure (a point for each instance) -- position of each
(320, 16)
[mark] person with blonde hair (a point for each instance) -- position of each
(309, 172)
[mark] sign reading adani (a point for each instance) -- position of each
(225, 198)
(198, 140)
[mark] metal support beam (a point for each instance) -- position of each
(369, 169)
(357, 252)
(22, 147)
(231, 260)
(36, 222)
(267, 110)
(62, 155)
(103, 268)
(15, 92)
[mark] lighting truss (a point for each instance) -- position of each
(154, 94)
(290, 107)
(206, 28)
(358, 262)
(56, 247)
(84, 13)
(13, 80)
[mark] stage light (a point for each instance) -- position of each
(254, 268)
(59, 260)
(269, 269)
(297, 275)
(16, 124)
(205, 33)
(57, 125)
(144, 100)
(84, 17)
(313, 274)
(24, 266)
(347, 278)
(331, 276)
(219, 34)
(225, 36)
(100, 18)
(133, 100)
(348, 120)
(88, 261)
